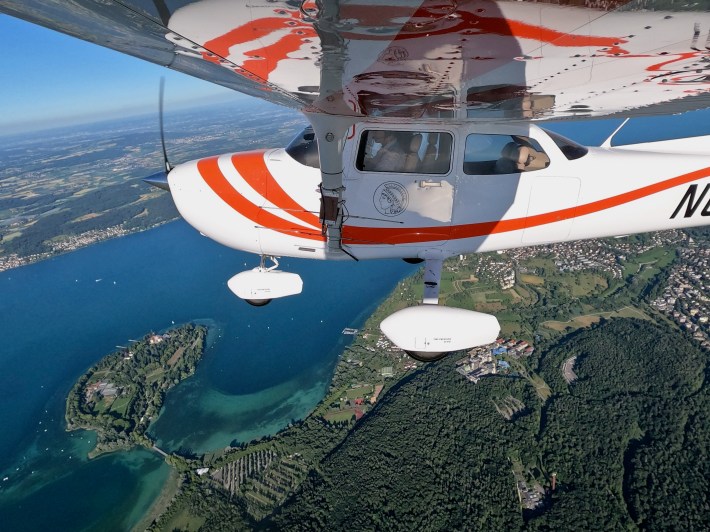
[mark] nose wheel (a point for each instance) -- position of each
(258, 302)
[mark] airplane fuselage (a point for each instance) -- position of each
(267, 202)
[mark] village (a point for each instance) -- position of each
(72, 242)
(488, 360)
(684, 299)
(7, 262)
(63, 245)
(602, 255)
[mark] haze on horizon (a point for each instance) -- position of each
(54, 80)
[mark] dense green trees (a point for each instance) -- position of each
(215, 511)
(628, 441)
(618, 437)
(429, 457)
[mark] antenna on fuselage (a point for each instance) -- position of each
(607, 142)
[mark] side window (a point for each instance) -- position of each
(502, 154)
(404, 152)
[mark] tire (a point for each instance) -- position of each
(258, 302)
(423, 356)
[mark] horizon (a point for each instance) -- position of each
(77, 82)
(107, 118)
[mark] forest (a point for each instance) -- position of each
(126, 204)
(627, 440)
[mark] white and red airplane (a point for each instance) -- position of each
(424, 140)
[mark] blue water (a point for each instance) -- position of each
(264, 367)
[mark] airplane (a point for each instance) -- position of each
(426, 136)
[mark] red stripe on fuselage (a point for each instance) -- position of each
(252, 167)
(213, 176)
(354, 235)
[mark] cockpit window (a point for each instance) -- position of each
(569, 148)
(502, 154)
(304, 148)
(404, 152)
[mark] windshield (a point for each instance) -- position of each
(571, 149)
(304, 148)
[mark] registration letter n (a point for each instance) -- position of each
(693, 204)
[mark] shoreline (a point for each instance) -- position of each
(162, 502)
(13, 261)
(171, 487)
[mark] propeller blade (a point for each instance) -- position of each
(159, 180)
(168, 166)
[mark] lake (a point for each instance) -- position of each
(263, 368)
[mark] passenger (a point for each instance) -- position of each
(412, 162)
(375, 139)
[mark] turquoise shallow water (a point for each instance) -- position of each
(263, 368)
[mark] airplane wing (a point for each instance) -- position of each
(471, 59)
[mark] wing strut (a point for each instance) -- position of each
(331, 121)
(331, 131)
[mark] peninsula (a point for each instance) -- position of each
(120, 395)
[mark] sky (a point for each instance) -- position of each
(50, 79)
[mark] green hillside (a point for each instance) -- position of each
(627, 440)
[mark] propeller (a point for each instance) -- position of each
(160, 179)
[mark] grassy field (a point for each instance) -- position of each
(343, 415)
(362, 391)
(173, 359)
(154, 375)
(532, 279)
(590, 319)
(185, 521)
(587, 283)
(121, 404)
(648, 263)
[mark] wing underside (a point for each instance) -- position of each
(466, 59)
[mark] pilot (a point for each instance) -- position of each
(514, 158)
(390, 157)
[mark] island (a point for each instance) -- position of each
(119, 396)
